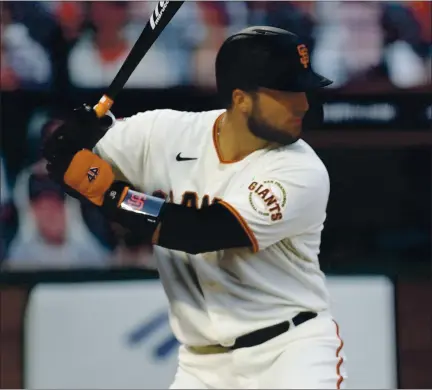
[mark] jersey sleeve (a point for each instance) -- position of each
(279, 203)
(126, 146)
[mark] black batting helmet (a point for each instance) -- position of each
(269, 57)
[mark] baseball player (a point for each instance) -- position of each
(234, 202)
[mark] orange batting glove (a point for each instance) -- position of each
(89, 175)
(93, 179)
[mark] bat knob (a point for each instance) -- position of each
(103, 106)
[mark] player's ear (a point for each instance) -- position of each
(242, 101)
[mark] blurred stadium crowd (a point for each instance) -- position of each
(56, 46)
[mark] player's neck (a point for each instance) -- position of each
(235, 140)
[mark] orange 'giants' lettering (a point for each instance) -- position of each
(252, 185)
(270, 200)
(276, 217)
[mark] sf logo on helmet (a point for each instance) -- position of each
(304, 55)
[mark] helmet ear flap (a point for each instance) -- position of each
(314, 117)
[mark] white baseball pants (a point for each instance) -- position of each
(309, 356)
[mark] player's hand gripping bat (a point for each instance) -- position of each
(73, 134)
(161, 16)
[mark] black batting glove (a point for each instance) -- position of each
(82, 130)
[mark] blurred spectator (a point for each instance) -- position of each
(360, 45)
(4, 186)
(6, 210)
(70, 18)
(257, 12)
(410, 21)
(215, 19)
(51, 232)
(102, 49)
(183, 33)
(24, 62)
(422, 11)
(37, 119)
(37, 16)
(238, 14)
(292, 16)
(348, 39)
(368, 46)
(405, 47)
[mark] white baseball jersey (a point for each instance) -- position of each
(279, 196)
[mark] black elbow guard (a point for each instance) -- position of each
(195, 231)
(183, 228)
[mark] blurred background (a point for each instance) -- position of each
(376, 141)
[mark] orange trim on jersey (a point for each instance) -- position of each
(340, 380)
(216, 145)
(244, 225)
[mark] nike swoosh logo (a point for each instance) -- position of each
(180, 158)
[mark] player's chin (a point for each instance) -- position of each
(293, 126)
(284, 137)
(291, 132)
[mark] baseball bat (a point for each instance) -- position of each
(160, 17)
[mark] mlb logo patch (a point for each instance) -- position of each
(92, 174)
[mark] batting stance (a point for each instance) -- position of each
(234, 202)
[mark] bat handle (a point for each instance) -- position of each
(103, 106)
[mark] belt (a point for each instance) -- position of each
(257, 337)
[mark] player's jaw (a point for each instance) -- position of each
(284, 128)
(264, 130)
